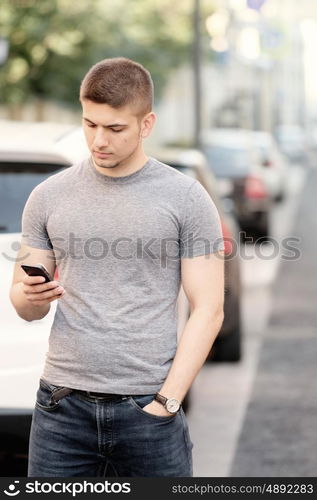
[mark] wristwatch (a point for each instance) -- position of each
(172, 405)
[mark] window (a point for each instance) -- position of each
(17, 180)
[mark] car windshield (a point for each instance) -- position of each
(17, 180)
(227, 162)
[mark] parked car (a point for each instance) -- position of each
(27, 157)
(227, 346)
(274, 162)
(232, 156)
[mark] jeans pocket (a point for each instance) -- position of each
(139, 402)
(44, 396)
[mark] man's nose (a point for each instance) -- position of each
(100, 139)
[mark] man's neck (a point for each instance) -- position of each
(127, 168)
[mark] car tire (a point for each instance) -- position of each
(186, 402)
(280, 197)
(228, 347)
(262, 230)
(13, 456)
(247, 234)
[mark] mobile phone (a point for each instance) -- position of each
(37, 270)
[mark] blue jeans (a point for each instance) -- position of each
(86, 436)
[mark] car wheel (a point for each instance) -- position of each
(262, 230)
(13, 456)
(246, 232)
(280, 197)
(185, 403)
(228, 347)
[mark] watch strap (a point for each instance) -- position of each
(161, 399)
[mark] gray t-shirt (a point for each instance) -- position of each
(118, 243)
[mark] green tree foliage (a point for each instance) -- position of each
(54, 42)
(50, 45)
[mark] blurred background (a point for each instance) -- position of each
(235, 96)
(252, 61)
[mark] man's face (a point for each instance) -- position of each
(113, 136)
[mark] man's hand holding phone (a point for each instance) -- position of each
(37, 289)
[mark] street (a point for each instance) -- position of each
(235, 421)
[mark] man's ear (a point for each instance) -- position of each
(147, 124)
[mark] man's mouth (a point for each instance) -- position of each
(101, 154)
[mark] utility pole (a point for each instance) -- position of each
(197, 72)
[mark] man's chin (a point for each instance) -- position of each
(102, 164)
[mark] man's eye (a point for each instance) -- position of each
(91, 125)
(116, 130)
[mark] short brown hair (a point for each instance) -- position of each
(119, 82)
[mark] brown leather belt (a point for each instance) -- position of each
(100, 395)
(64, 391)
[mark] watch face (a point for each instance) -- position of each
(172, 405)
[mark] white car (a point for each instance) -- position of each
(29, 153)
(27, 156)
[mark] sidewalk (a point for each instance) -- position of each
(279, 434)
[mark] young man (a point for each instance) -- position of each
(125, 231)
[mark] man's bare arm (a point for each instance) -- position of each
(29, 295)
(203, 283)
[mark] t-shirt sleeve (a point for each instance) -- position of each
(34, 230)
(201, 232)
